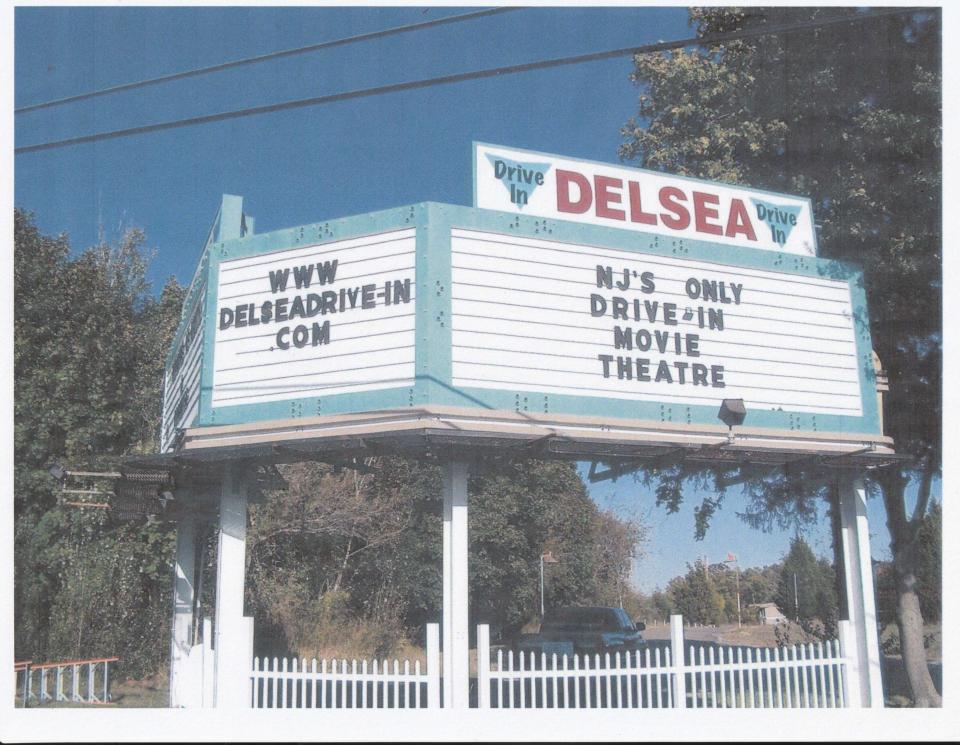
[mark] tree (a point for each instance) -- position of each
(849, 115)
(759, 585)
(87, 390)
(695, 596)
(929, 573)
(362, 551)
(805, 591)
(930, 560)
(616, 543)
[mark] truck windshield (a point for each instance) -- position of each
(584, 619)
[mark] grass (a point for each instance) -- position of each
(149, 693)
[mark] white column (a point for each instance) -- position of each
(181, 635)
(858, 584)
(232, 653)
(456, 631)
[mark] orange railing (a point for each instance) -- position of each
(92, 686)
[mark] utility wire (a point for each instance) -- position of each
(457, 78)
(265, 57)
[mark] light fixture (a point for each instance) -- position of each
(732, 411)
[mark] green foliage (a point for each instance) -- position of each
(523, 510)
(695, 596)
(928, 574)
(849, 115)
(758, 585)
(86, 335)
(856, 126)
(929, 569)
(372, 542)
(114, 593)
(813, 597)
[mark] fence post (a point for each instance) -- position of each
(677, 662)
(433, 666)
(483, 666)
(850, 666)
(26, 684)
(207, 663)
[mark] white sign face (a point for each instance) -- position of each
(550, 317)
(531, 183)
(316, 320)
(181, 383)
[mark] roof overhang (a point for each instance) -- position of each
(468, 433)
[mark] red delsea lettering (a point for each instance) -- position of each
(564, 204)
(636, 211)
(739, 221)
(602, 186)
(677, 217)
(704, 209)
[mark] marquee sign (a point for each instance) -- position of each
(580, 320)
(513, 324)
(531, 183)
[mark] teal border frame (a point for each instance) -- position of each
(433, 366)
(746, 187)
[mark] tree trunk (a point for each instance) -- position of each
(910, 625)
(903, 537)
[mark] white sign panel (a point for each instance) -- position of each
(550, 317)
(543, 185)
(181, 382)
(316, 320)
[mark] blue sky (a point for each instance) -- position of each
(309, 164)
(671, 545)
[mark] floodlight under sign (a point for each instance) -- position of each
(732, 411)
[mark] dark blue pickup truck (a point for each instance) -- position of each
(575, 630)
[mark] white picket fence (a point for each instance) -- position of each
(799, 676)
(803, 675)
(627, 680)
(353, 684)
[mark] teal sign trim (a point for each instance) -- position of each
(433, 367)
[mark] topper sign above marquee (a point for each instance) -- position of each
(531, 183)
(518, 324)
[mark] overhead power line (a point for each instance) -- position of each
(459, 77)
(265, 57)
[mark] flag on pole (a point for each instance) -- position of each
(731, 557)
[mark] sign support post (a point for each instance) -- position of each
(183, 598)
(456, 630)
(858, 586)
(234, 633)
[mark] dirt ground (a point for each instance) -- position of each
(749, 635)
(756, 635)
